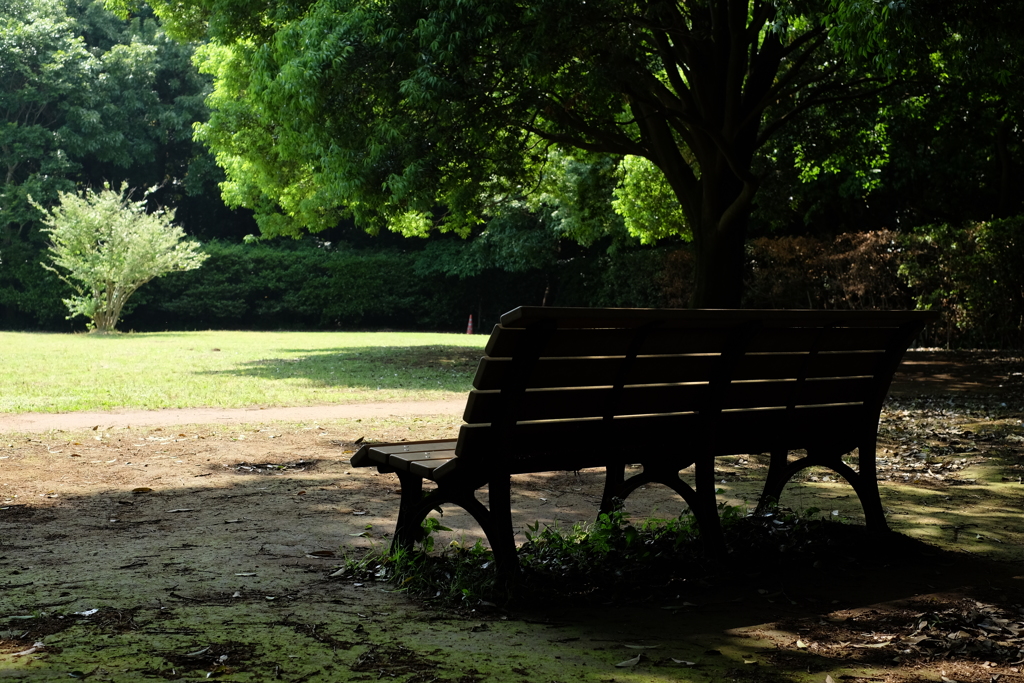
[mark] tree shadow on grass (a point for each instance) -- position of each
(446, 368)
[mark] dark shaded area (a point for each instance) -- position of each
(927, 372)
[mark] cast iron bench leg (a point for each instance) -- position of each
(706, 510)
(495, 522)
(500, 534)
(774, 481)
(407, 528)
(614, 476)
(863, 480)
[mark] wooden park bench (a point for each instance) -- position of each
(572, 388)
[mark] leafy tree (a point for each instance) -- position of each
(44, 70)
(412, 115)
(106, 247)
(85, 97)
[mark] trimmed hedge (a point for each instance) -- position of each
(973, 274)
(299, 286)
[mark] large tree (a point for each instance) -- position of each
(412, 114)
(44, 70)
(86, 97)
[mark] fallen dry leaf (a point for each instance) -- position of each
(630, 662)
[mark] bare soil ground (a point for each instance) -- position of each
(187, 545)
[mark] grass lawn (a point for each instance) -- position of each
(69, 372)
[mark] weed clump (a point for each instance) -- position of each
(611, 560)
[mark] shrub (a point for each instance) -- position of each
(106, 246)
(851, 271)
(975, 275)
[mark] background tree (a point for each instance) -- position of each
(45, 70)
(106, 247)
(86, 97)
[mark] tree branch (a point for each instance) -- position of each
(774, 92)
(768, 130)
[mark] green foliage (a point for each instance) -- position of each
(574, 197)
(30, 297)
(86, 97)
(869, 30)
(611, 539)
(329, 110)
(936, 144)
(515, 241)
(106, 247)
(842, 116)
(611, 558)
(296, 285)
(648, 206)
(264, 286)
(622, 279)
(46, 70)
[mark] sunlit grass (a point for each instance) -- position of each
(60, 373)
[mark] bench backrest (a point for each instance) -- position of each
(576, 387)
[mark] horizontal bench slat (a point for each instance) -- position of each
(582, 342)
(685, 318)
(571, 444)
(402, 461)
(493, 373)
(381, 453)
(561, 403)
(607, 342)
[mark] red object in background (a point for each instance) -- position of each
(469, 327)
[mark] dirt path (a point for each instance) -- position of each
(120, 419)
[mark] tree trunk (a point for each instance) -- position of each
(1009, 201)
(718, 222)
(718, 272)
